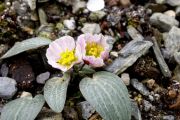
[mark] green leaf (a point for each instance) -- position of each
(108, 95)
(87, 70)
(55, 91)
(26, 108)
(26, 45)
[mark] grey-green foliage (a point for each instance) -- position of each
(55, 91)
(26, 108)
(108, 95)
(26, 45)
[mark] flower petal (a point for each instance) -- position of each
(94, 62)
(58, 46)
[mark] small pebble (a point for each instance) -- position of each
(7, 87)
(147, 105)
(114, 54)
(95, 5)
(70, 24)
(86, 109)
(78, 4)
(140, 87)
(3, 48)
(125, 78)
(125, 2)
(25, 94)
(41, 78)
(92, 28)
(168, 117)
(4, 70)
(151, 98)
(150, 83)
(160, 1)
(157, 97)
(170, 13)
(172, 94)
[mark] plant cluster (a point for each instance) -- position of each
(105, 91)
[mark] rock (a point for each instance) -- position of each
(125, 78)
(177, 73)
(160, 59)
(114, 54)
(168, 117)
(66, 2)
(69, 113)
(26, 94)
(135, 35)
(150, 83)
(173, 2)
(86, 109)
(41, 78)
(172, 42)
(42, 17)
(172, 94)
(157, 97)
(160, 1)
(21, 70)
(147, 106)
(151, 98)
(3, 49)
(178, 11)
(98, 15)
(70, 24)
(128, 55)
(177, 57)
(1, 107)
(125, 2)
(78, 4)
(170, 13)
(48, 114)
(95, 5)
(32, 4)
(91, 28)
(7, 87)
(136, 114)
(157, 7)
(4, 70)
(110, 40)
(41, 1)
(140, 87)
(163, 22)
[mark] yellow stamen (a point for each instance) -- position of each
(67, 58)
(94, 49)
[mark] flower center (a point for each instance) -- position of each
(93, 49)
(67, 58)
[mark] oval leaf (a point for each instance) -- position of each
(26, 108)
(108, 95)
(25, 45)
(55, 91)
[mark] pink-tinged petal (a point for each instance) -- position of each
(105, 55)
(94, 62)
(65, 42)
(56, 65)
(78, 53)
(56, 48)
(81, 44)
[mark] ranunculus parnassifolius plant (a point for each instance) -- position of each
(64, 52)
